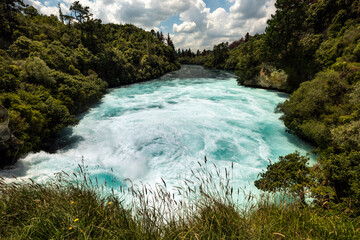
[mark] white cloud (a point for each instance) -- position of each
(143, 13)
(200, 28)
(185, 27)
(43, 8)
(221, 25)
(247, 9)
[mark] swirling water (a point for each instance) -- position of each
(162, 128)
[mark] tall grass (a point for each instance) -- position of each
(205, 206)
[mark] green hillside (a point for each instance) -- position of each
(51, 69)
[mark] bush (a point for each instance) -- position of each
(343, 172)
(35, 70)
(290, 174)
(311, 104)
(23, 46)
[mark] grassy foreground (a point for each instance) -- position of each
(72, 207)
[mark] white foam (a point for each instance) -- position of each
(163, 128)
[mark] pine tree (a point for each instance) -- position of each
(169, 42)
(8, 19)
(61, 16)
(81, 13)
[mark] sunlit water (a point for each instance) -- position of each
(162, 128)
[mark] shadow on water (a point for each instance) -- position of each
(67, 140)
(299, 142)
(64, 140)
(196, 71)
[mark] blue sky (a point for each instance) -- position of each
(167, 25)
(195, 24)
(214, 4)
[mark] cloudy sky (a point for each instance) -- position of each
(195, 24)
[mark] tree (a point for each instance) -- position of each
(169, 42)
(191, 54)
(221, 53)
(236, 43)
(8, 19)
(31, 11)
(80, 13)
(284, 41)
(161, 37)
(342, 172)
(92, 28)
(36, 71)
(68, 19)
(284, 29)
(60, 14)
(290, 174)
(247, 37)
(304, 111)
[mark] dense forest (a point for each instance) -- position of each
(52, 69)
(310, 49)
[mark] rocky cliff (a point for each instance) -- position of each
(8, 143)
(269, 78)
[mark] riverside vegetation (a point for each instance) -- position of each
(203, 207)
(311, 50)
(313, 44)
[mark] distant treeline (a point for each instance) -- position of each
(52, 69)
(317, 45)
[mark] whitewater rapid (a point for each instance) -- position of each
(162, 128)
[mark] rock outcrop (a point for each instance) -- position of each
(269, 78)
(8, 143)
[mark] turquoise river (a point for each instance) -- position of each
(162, 128)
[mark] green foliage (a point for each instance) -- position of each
(31, 11)
(248, 57)
(342, 46)
(347, 136)
(315, 131)
(290, 174)
(316, 43)
(219, 55)
(315, 106)
(325, 13)
(325, 110)
(35, 70)
(79, 12)
(343, 172)
(198, 60)
(8, 19)
(63, 210)
(10, 80)
(51, 71)
(23, 46)
(284, 30)
(78, 92)
(302, 38)
(35, 115)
